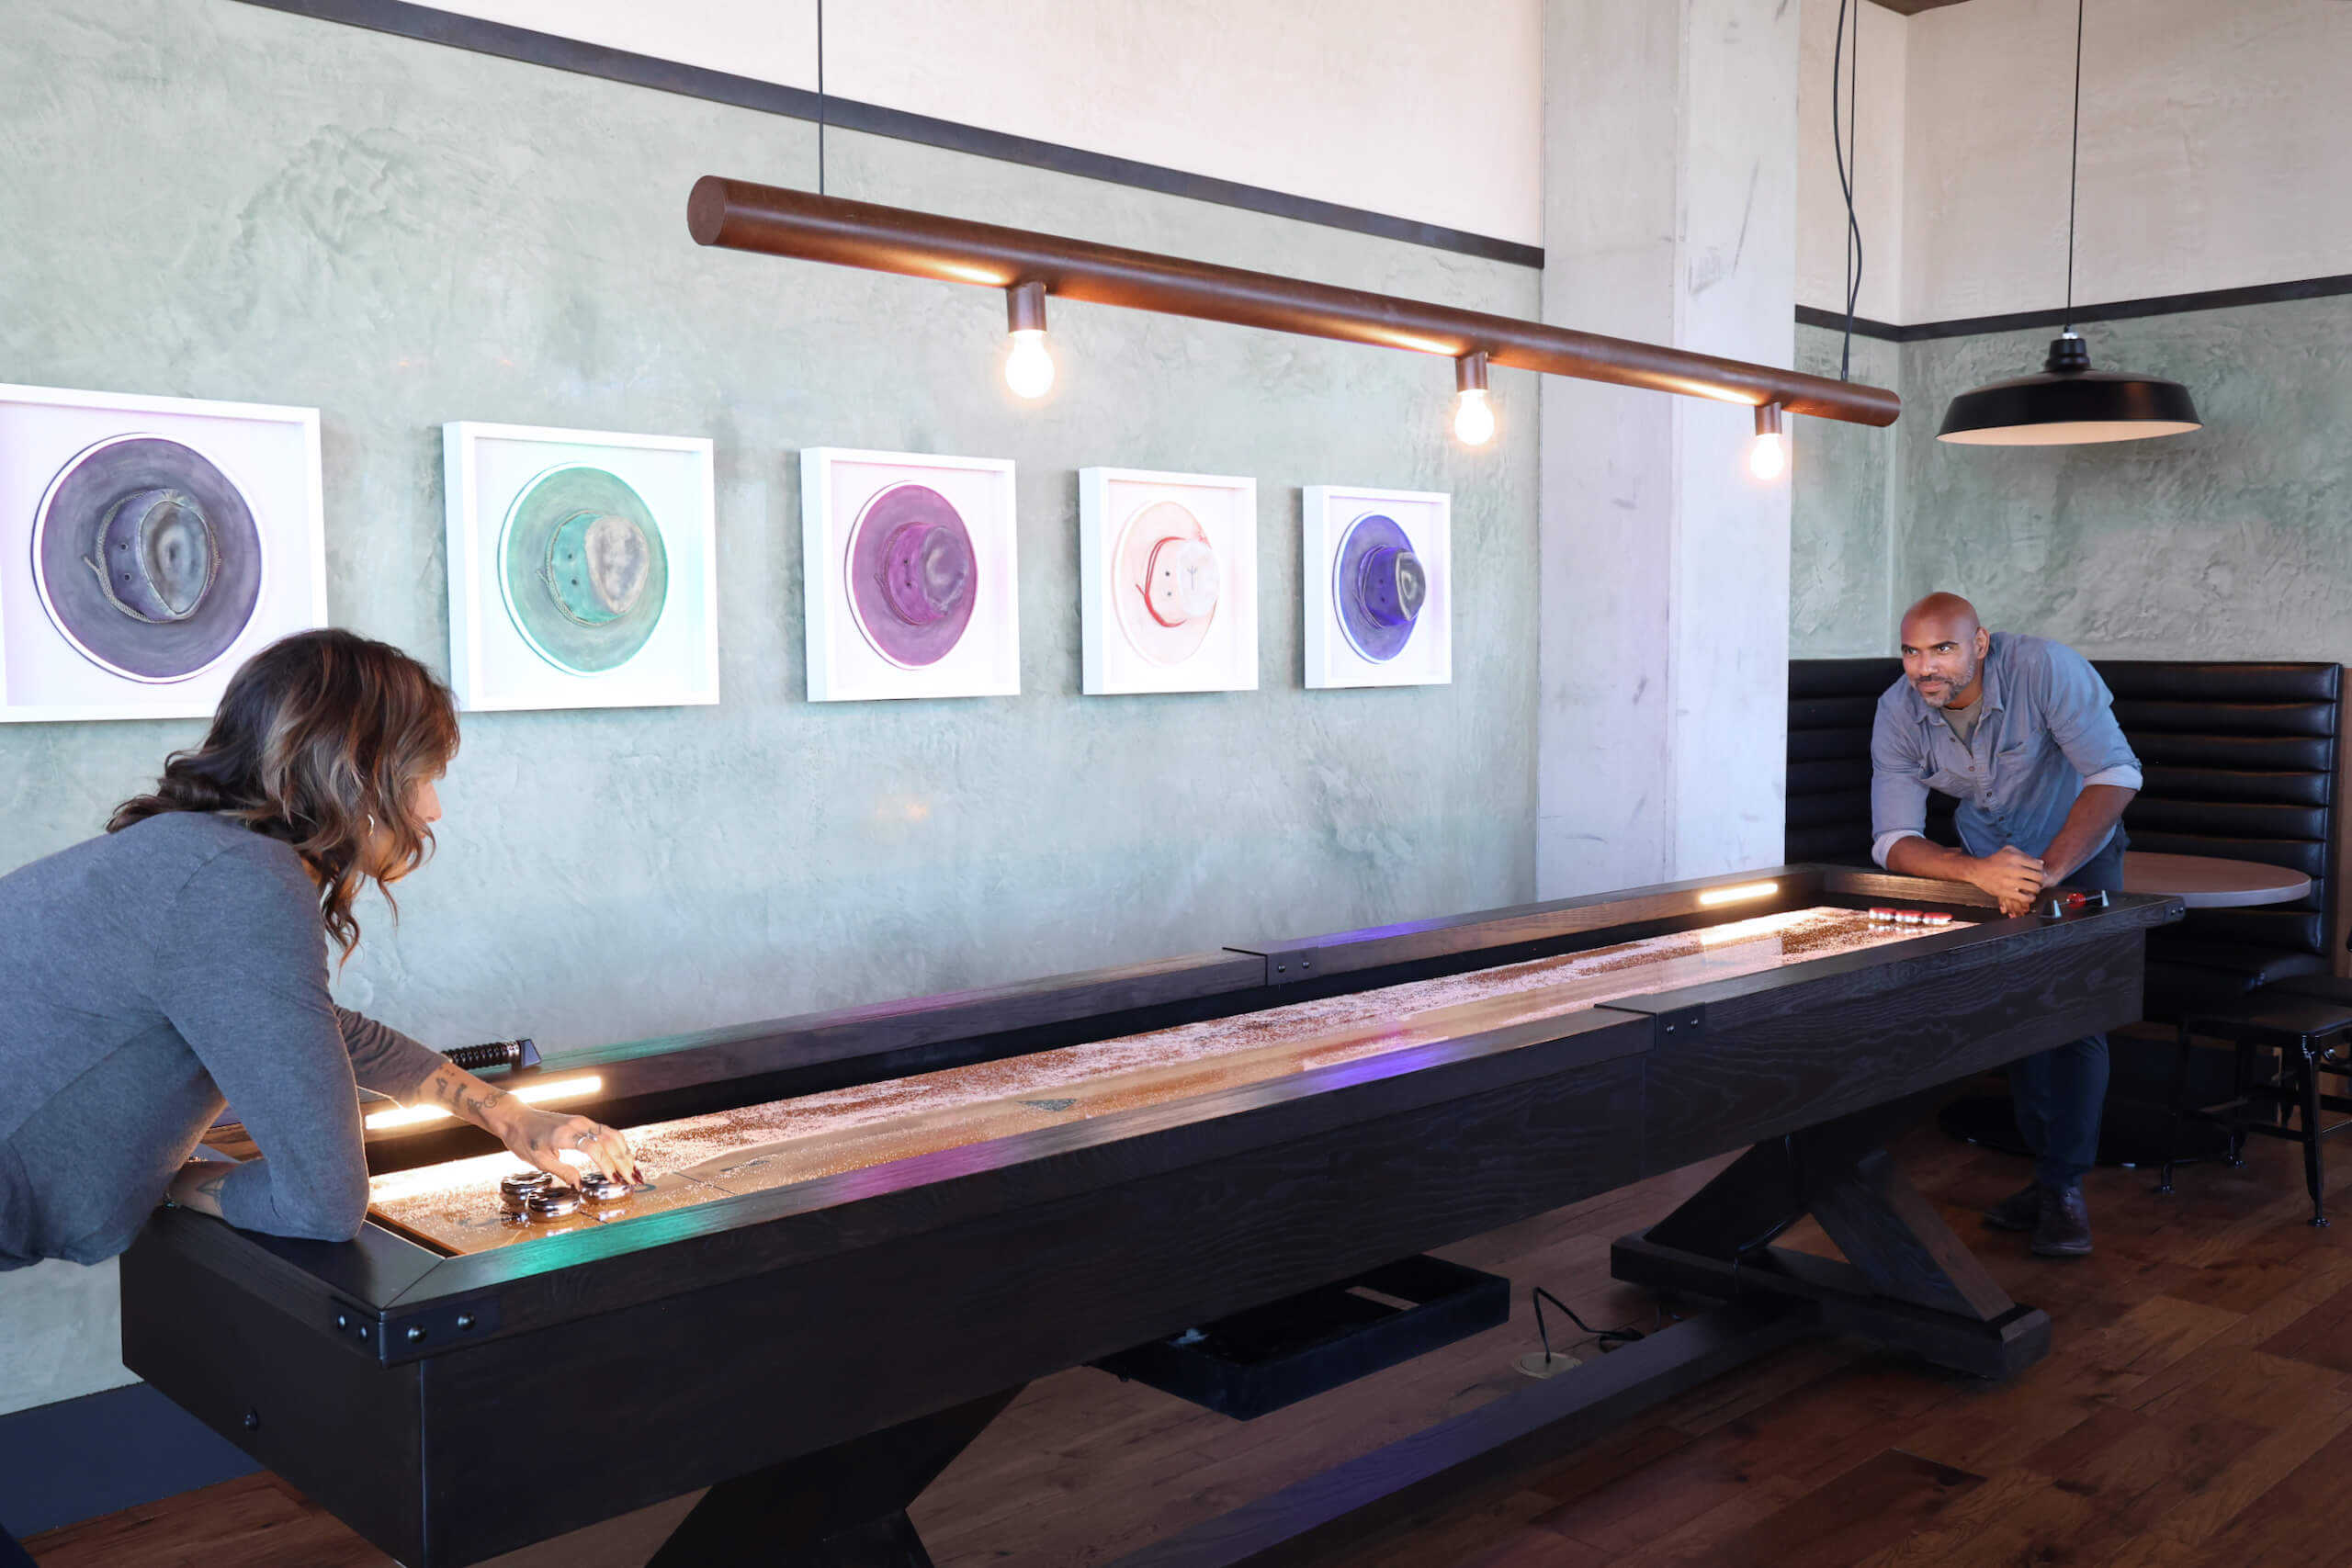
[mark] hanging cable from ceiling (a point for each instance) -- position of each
(1851, 83)
(821, 97)
(2069, 403)
(2073, 170)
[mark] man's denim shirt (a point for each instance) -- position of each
(2048, 730)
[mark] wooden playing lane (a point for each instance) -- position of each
(761, 1147)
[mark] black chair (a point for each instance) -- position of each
(2277, 1097)
(2240, 762)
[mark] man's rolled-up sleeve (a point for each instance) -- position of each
(2080, 712)
(1898, 787)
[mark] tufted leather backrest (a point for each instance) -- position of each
(1832, 703)
(2240, 761)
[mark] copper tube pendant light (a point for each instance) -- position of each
(742, 215)
(2069, 403)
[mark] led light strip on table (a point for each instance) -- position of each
(530, 1094)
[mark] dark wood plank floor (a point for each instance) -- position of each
(2198, 1409)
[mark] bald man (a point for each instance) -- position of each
(2022, 731)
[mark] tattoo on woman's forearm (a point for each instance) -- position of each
(460, 1093)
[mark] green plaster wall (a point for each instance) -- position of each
(1841, 554)
(2231, 542)
(206, 198)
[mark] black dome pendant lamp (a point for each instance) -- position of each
(2070, 403)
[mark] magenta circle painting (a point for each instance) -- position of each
(911, 578)
(913, 575)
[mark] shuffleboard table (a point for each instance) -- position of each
(861, 1232)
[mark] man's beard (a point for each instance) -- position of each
(1953, 686)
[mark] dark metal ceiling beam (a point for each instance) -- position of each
(740, 215)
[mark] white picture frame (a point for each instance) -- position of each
(1126, 653)
(1334, 659)
(494, 663)
(846, 653)
(268, 453)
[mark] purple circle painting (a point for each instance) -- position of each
(1379, 585)
(913, 575)
(148, 558)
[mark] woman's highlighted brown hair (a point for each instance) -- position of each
(320, 740)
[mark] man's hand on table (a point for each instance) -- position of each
(2013, 877)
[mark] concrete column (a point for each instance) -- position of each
(1669, 216)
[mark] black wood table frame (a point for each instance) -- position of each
(868, 1324)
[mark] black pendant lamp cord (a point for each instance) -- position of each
(1841, 142)
(821, 97)
(2074, 169)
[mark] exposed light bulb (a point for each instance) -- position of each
(1029, 369)
(1769, 458)
(1473, 421)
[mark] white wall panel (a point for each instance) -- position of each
(771, 41)
(1426, 109)
(2217, 147)
(1876, 160)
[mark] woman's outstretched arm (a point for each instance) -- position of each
(541, 1137)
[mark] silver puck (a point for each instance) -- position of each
(513, 1189)
(599, 1188)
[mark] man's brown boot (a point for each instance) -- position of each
(2019, 1212)
(2064, 1228)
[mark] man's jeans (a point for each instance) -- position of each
(2058, 1092)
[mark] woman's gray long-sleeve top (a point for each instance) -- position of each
(144, 976)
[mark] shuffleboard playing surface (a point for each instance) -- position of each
(453, 1206)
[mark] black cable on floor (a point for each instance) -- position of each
(1607, 1338)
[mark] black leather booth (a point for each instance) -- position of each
(2240, 761)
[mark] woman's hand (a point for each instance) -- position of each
(543, 1138)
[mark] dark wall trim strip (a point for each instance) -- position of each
(104, 1452)
(2114, 311)
(429, 25)
(1814, 316)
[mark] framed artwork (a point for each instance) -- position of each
(913, 582)
(1378, 575)
(148, 547)
(1167, 582)
(581, 569)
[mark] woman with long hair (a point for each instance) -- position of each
(178, 962)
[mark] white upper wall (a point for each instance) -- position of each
(2217, 150)
(1425, 109)
(2217, 134)
(1876, 160)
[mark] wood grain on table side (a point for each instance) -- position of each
(2178, 1423)
(758, 1149)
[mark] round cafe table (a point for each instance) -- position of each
(2204, 882)
(2133, 1132)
